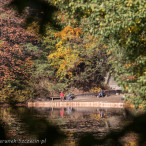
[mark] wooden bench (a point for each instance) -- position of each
(55, 97)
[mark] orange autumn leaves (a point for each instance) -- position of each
(64, 58)
(13, 64)
(69, 33)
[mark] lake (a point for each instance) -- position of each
(40, 125)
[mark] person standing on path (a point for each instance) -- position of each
(62, 96)
(100, 93)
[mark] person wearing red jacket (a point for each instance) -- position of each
(62, 96)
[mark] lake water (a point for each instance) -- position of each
(40, 125)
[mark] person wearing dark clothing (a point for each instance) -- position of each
(68, 97)
(100, 93)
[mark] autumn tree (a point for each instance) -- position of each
(121, 26)
(15, 64)
(78, 59)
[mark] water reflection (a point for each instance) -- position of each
(69, 110)
(101, 112)
(84, 119)
(72, 121)
(78, 121)
(45, 124)
(27, 126)
(61, 112)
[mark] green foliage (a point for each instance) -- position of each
(121, 26)
(13, 96)
(40, 64)
(79, 59)
(60, 87)
(118, 25)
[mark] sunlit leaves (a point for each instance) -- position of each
(121, 26)
(78, 56)
(64, 59)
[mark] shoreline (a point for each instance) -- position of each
(76, 104)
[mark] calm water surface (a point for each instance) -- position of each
(74, 122)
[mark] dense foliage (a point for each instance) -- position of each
(97, 36)
(120, 25)
(14, 64)
(78, 59)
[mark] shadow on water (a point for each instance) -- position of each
(40, 130)
(90, 126)
(137, 125)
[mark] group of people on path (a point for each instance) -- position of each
(68, 97)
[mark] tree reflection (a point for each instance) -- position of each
(37, 126)
(137, 125)
(40, 128)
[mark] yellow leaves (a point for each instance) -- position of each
(66, 65)
(131, 143)
(59, 44)
(109, 52)
(95, 90)
(69, 33)
(127, 65)
(87, 45)
(64, 59)
(60, 53)
(100, 24)
(28, 62)
(69, 74)
(102, 11)
(137, 20)
(129, 4)
(133, 28)
(130, 64)
(105, 46)
(143, 38)
(1, 43)
(55, 2)
(129, 29)
(87, 12)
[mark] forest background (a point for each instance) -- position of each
(50, 46)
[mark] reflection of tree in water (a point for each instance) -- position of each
(97, 129)
(31, 126)
(96, 117)
(82, 121)
(12, 124)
